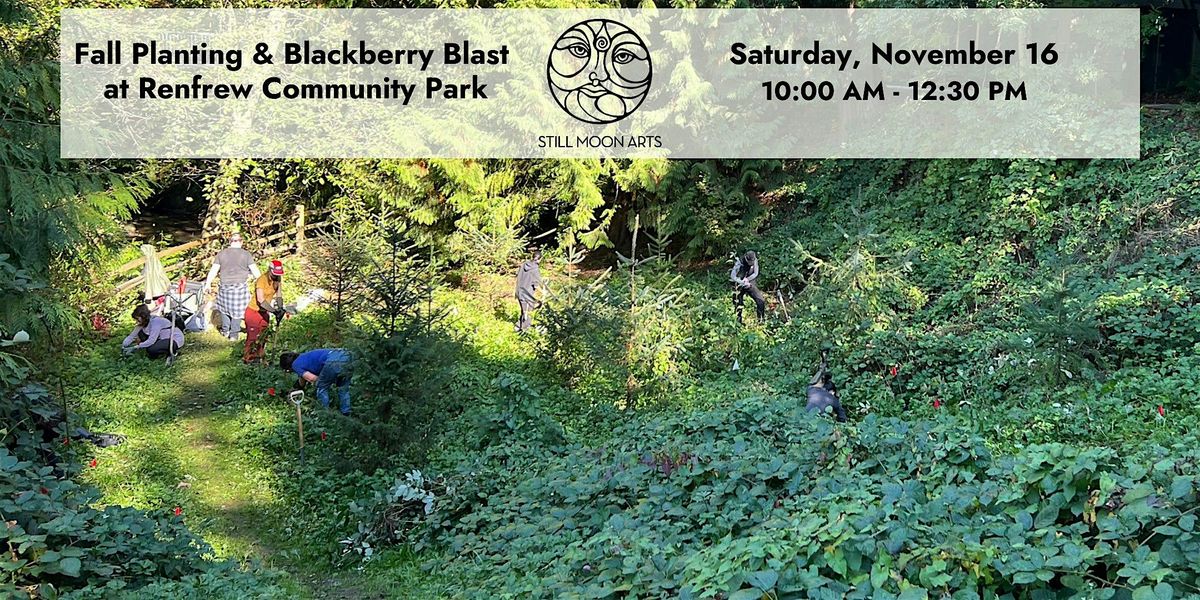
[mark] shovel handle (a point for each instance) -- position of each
(300, 426)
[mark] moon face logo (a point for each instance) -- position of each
(599, 71)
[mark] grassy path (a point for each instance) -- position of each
(204, 435)
(183, 425)
(228, 490)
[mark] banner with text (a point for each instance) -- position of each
(744, 83)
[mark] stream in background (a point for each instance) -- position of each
(170, 217)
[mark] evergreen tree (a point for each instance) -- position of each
(53, 212)
(341, 260)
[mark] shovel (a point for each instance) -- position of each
(297, 398)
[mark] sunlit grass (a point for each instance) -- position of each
(183, 428)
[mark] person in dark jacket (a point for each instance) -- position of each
(745, 277)
(529, 281)
(822, 394)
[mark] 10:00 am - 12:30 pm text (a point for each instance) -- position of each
(953, 90)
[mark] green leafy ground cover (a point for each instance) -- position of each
(540, 494)
(1036, 440)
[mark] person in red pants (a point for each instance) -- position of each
(266, 300)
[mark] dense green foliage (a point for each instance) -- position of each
(62, 537)
(1016, 342)
(1043, 307)
(52, 212)
(759, 499)
(1038, 316)
(551, 497)
(58, 539)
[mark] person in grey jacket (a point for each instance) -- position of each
(234, 266)
(529, 281)
(744, 277)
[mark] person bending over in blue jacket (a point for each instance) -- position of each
(325, 367)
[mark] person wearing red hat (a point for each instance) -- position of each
(266, 300)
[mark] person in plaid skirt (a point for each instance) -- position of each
(234, 266)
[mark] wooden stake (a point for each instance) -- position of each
(300, 427)
(299, 229)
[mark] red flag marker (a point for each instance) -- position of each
(937, 403)
(93, 463)
(271, 391)
(1161, 412)
(178, 511)
(323, 436)
(895, 369)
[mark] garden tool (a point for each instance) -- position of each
(297, 398)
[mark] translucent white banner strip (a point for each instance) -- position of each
(747, 83)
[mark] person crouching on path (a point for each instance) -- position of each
(744, 277)
(529, 281)
(266, 300)
(234, 266)
(157, 335)
(326, 367)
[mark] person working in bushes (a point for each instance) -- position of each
(822, 393)
(745, 283)
(529, 281)
(157, 335)
(265, 300)
(326, 367)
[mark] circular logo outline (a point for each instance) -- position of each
(597, 102)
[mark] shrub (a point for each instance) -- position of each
(57, 540)
(514, 413)
(340, 262)
(627, 334)
(762, 499)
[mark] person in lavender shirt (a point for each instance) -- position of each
(154, 334)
